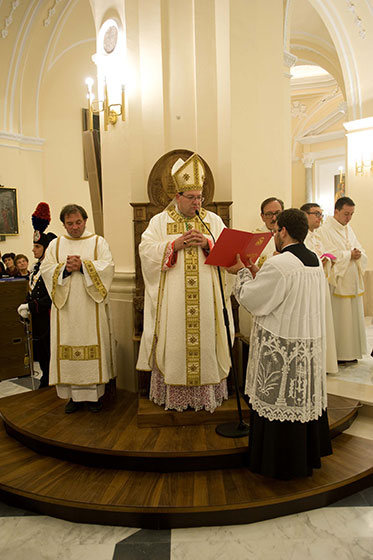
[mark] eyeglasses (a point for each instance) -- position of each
(192, 197)
(272, 214)
(317, 214)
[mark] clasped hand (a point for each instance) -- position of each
(191, 238)
(355, 254)
(73, 263)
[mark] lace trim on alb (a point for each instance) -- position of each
(286, 377)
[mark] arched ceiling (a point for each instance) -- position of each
(310, 40)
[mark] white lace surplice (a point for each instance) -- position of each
(286, 371)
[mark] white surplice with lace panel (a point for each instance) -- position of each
(286, 371)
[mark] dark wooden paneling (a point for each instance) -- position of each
(13, 342)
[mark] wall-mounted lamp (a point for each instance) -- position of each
(360, 142)
(111, 111)
(364, 165)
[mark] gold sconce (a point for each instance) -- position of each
(359, 143)
(364, 166)
(111, 111)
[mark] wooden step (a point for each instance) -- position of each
(113, 439)
(151, 415)
(84, 494)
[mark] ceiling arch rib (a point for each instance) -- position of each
(331, 18)
(18, 53)
(313, 54)
(49, 52)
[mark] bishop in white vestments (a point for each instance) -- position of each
(78, 270)
(184, 341)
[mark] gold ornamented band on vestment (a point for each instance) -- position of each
(79, 353)
(181, 223)
(352, 296)
(55, 280)
(95, 278)
(192, 317)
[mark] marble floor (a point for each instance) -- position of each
(344, 530)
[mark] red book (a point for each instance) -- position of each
(233, 241)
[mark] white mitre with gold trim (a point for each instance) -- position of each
(188, 175)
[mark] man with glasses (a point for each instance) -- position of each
(313, 243)
(346, 282)
(269, 210)
(184, 341)
(286, 381)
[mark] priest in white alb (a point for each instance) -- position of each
(313, 242)
(78, 271)
(346, 282)
(184, 342)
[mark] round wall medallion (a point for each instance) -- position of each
(110, 39)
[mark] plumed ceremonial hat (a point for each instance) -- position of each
(188, 175)
(40, 221)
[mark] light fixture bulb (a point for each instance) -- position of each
(89, 82)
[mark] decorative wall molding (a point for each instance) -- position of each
(51, 13)
(313, 82)
(31, 140)
(317, 128)
(318, 138)
(359, 125)
(298, 110)
(9, 19)
(21, 142)
(357, 19)
(289, 59)
(123, 283)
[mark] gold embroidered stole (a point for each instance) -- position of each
(192, 295)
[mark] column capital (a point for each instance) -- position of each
(308, 160)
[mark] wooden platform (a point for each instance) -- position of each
(145, 498)
(113, 438)
(150, 415)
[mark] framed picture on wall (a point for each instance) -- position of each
(339, 186)
(8, 211)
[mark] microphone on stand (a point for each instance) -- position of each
(208, 229)
(230, 429)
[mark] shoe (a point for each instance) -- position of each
(347, 362)
(72, 406)
(95, 406)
